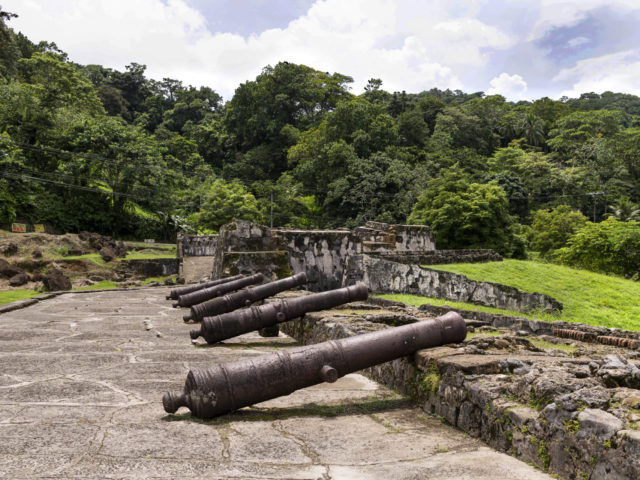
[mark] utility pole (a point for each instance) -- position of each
(593, 194)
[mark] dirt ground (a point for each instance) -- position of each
(81, 382)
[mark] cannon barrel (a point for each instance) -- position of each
(176, 292)
(243, 298)
(200, 296)
(226, 387)
(232, 324)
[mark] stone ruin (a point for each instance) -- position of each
(387, 258)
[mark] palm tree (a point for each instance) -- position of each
(531, 127)
(624, 210)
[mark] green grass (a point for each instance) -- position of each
(587, 297)
(92, 257)
(97, 259)
(417, 300)
(100, 285)
(149, 255)
(146, 281)
(9, 296)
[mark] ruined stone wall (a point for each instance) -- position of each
(197, 245)
(322, 254)
(384, 276)
(158, 267)
(441, 257)
(245, 248)
(383, 237)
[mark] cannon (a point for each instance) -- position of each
(243, 298)
(200, 296)
(232, 324)
(176, 292)
(226, 387)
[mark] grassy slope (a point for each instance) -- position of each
(587, 297)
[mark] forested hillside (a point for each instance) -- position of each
(84, 147)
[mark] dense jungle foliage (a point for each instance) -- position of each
(84, 147)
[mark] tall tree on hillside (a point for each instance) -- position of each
(285, 95)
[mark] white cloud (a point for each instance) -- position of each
(576, 42)
(617, 72)
(171, 38)
(513, 87)
(564, 13)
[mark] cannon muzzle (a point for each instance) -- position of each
(232, 324)
(243, 298)
(205, 294)
(175, 293)
(226, 387)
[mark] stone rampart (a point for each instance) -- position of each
(197, 245)
(441, 257)
(322, 254)
(384, 276)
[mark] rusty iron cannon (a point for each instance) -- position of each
(200, 296)
(229, 325)
(226, 387)
(243, 298)
(176, 292)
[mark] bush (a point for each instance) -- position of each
(551, 229)
(611, 246)
(468, 215)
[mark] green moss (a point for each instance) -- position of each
(544, 344)
(571, 426)
(543, 455)
(537, 402)
(428, 382)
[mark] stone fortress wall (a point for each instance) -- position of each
(387, 258)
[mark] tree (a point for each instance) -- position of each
(531, 127)
(123, 156)
(224, 202)
(551, 229)
(59, 84)
(287, 94)
(624, 210)
(467, 215)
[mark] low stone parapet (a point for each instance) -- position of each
(574, 416)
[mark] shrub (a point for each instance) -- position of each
(611, 246)
(551, 229)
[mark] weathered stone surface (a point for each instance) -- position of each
(7, 270)
(107, 254)
(9, 249)
(599, 423)
(19, 279)
(55, 280)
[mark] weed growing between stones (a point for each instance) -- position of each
(571, 426)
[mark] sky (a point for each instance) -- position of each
(522, 49)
